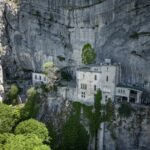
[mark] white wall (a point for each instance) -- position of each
(38, 78)
(123, 92)
(107, 79)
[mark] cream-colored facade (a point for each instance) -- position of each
(38, 78)
(128, 94)
(91, 78)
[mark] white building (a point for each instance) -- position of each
(91, 78)
(38, 78)
(128, 94)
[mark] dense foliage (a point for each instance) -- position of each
(52, 73)
(13, 94)
(34, 127)
(30, 134)
(125, 110)
(9, 116)
(88, 54)
(32, 105)
(22, 142)
(75, 137)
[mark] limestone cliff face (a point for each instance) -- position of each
(52, 29)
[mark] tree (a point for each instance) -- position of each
(24, 142)
(88, 54)
(97, 114)
(52, 73)
(109, 110)
(125, 110)
(13, 94)
(9, 117)
(34, 127)
(32, 106)
(74, 135)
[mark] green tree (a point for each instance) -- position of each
(109, 110)
(34, 127)
(125, 110)
(24, 142)
(88, 54)
(74, 135)
(97, 115)
(13, 94)
(32, 105)
(9, 117)
(52, 73)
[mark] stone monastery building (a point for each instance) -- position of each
(105, 77)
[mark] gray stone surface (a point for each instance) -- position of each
(117, 29)
(36, 30)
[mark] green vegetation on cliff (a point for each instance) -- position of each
(88, 54)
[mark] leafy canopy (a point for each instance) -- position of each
(9, 116)
(88, 54)
(13, 93)
(52, 73)
(125, 110)
(32, 106)
(23, 142)
(34, 127)
(75, 137)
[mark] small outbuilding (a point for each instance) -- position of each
(128, 94)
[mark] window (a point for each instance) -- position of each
(40, 77)
(95, 77)
(106, 98)
(44, 78)
(83, 86)
(107, 78)
(35, 76)
(95, 88)
(83, 94)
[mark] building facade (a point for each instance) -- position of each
(128, 94)
(39, 78)
(105, 77)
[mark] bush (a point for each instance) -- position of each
(9, 117)
(32, 126)
(24, 142)
(88, 54)
(31, 107)
(75, 137)
(13, 94)
(125, 110)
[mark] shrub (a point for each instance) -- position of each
(13, 94)
(9, 117)
(32, 105)
(125, 110)
(32, 126)
(88, 54)
(24, 142)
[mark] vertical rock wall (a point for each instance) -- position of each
(50, 30)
